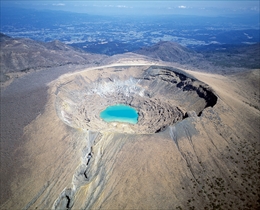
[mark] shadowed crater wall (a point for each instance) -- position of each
(161, 95)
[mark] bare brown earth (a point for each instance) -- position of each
(20, 55)
(206, 159)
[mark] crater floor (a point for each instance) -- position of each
(161, 95)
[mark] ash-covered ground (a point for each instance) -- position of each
(196, 144)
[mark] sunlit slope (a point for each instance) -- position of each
(198, 155)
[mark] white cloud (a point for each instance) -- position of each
(111, 6)
(59, 4)
(182, 7)
(121, 6)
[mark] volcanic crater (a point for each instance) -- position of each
(161, 95)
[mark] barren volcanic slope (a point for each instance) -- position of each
(228, 58)
(22, 55)
(195, 146)
(170, 51)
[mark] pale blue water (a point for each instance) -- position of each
(120, 113)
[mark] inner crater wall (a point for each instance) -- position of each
(161, 95)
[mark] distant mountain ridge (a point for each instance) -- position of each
(235, 56)
(4, 37)
(171, 52)
(22, 54)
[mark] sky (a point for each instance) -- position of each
(145, 7)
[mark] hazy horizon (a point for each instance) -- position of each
(198, 8)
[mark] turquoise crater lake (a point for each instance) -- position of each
(120, 113)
